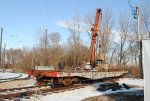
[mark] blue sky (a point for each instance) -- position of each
(22, 19)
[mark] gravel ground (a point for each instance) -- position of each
(17, 84)
(128, 96)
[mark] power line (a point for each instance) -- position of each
(134, 10)
(130, 4)
(47, 10)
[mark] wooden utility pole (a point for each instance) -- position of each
(138, 23)
(1, 47)
(137, 15)
(139, 39)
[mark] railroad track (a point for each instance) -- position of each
(13, 79)
(27, 92)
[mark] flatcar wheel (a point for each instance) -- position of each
(75, 80)
(41, 83)
(67, 81)
(54, 83)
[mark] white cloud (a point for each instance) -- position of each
(83, 27)
(61, 24)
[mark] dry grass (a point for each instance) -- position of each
(133, 70)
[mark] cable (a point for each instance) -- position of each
(130, 4)
(47, 14)
(133, 9)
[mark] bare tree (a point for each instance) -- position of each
(133, 51)
(106, 32)
(26, 59)
(43, 45)
(74, 27)
(54, 39)
(146, 21)
(48, 51)
(75, 48)
(134, 54)
(13, 56)
(56, 51)
(88, 23)
(112, 53)
(126, 39)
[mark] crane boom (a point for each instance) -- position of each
(95, 28)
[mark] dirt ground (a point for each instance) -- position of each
(128, 96)
(16, 83)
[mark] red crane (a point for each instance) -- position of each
(95, 29)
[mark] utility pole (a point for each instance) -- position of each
(1, 47)
(136, 14)
(138, 23)
(139, 41)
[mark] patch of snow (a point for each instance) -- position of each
(88, 91)
(32, 84)
(132, 81)
(9, 75)
(23, 75)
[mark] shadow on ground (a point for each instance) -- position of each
(122, 96)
